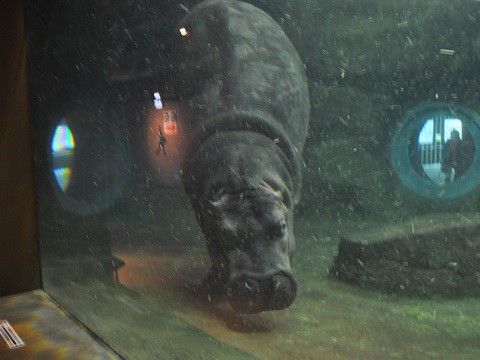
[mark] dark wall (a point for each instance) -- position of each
(19, 264)
(369, 62)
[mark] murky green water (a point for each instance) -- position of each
(394, 94)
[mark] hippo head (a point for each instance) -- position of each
(250, 240)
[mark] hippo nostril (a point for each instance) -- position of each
(279, 282)
(245, 288)
(245, 295)
(252, 294)
(248, 286)
(284, 291)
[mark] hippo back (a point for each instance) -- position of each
(237, 70)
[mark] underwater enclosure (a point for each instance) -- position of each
(261, 179)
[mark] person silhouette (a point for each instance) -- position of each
(162, 140)
(452, 157)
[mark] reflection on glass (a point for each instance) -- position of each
(86, 168)
(405, 246)
(445, 149)
(63, 176)
(63, 146)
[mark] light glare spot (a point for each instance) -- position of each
(63, 138)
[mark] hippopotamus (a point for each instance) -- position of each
(244, 86)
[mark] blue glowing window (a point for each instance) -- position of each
(420, 142)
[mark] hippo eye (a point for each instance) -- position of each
(214, 194)
(278, 230)
(228, 230)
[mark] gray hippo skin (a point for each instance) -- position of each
(245, 88)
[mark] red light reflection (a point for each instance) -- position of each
(166, 140)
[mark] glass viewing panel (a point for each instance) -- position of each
(183, 148)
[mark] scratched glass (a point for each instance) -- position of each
(184, 148)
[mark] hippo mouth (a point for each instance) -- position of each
(250, 294)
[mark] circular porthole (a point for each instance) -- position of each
(88, 161)
(433, 150)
